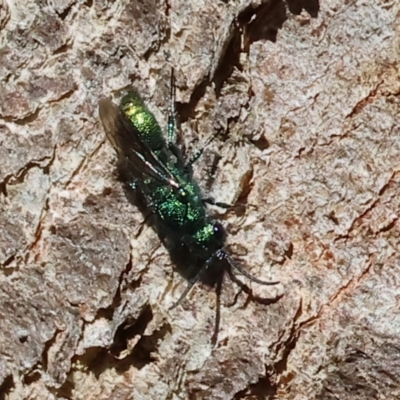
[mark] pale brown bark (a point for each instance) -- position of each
(307, 97)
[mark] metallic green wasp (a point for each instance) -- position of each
(158, 170)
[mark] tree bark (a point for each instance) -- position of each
(305, 97)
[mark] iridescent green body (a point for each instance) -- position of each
(144, 120)
(158, 170)
(181, 214)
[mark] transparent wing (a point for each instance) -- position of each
(127, 141)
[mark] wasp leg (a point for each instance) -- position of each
(176, 151)
(192, 281)
(210, 200)
(213, 169)
(171, 124)
(198, 153)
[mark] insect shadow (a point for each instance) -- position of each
(185, 262)
(159, 180)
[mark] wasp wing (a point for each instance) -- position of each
(127, 141)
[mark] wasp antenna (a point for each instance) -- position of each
(223, 254)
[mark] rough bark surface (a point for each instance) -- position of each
(306, 95)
